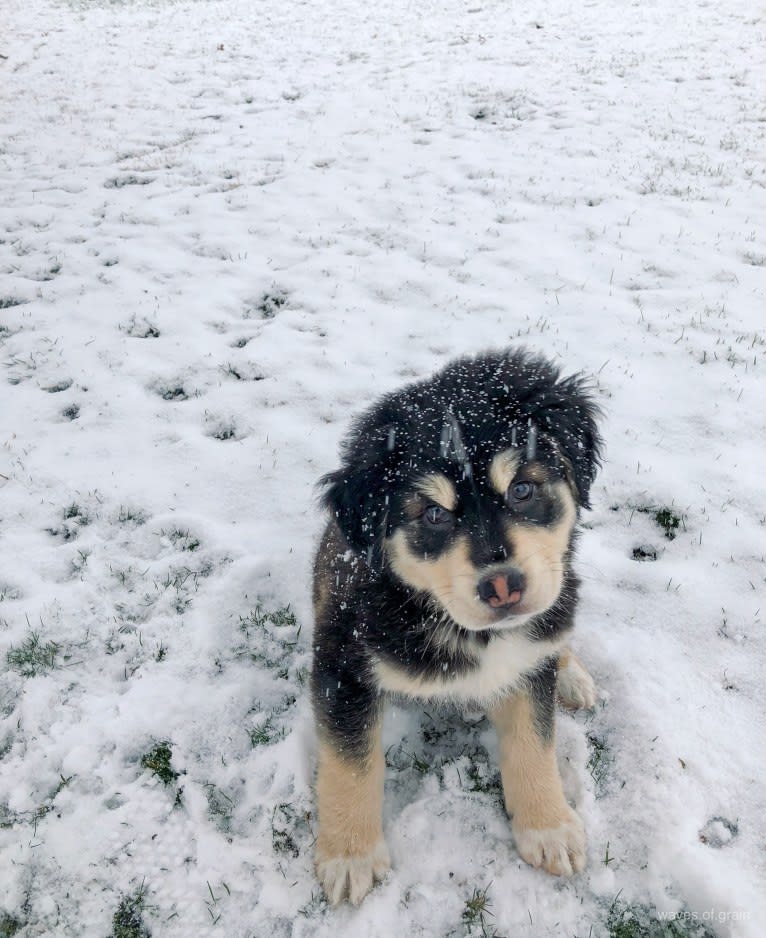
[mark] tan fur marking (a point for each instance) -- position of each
(502, 470)
(531, 782)
(330, 570)
(538, 552)
(321, 597)
(439, 488)
(350, 802)
(450, 578)
(534, 472)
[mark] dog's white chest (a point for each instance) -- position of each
(500, 666)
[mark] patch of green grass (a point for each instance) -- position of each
(123, 577)
(226, 431)
(158, 760)
(420, 765)
(599, 759)
(182, 580)
(59, 386)
(240, 373)
(283, 616)
(483, 779)
(259, 618)
(271, 637)
(79, 562)
(9, 926)
(176, 578)
(664, 516)
(475, 912)
(74, 517)
(6, 745)
(174, 392)
(129, 515)
(266, 733)
(130, 179)
(127, 921)
(271, 303)
(640, 921)
(255, 619)
(282, 839)
(212, 902)
(140, 330)
(477, 906)
(220, 807)
(269, 647)
(9, 592)
(229, 369)
(290, 830)
(6, 302)
(33, 656)
(400, 759)
(432, 732)
(182, 539)
(74, 512)
(9, 818)
(669, 521)
(644, 552)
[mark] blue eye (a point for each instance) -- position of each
(435, 516)
(522, 491)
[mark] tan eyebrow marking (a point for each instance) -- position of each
(534, 472)
(502, 469)
(439, 488)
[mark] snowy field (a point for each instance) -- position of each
(225, 227)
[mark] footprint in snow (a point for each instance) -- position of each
(718, 832)
(119, 182)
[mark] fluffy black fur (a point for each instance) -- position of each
(453, 423)
(495, 398)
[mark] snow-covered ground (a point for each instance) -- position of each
(225, 227)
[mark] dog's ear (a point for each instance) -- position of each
(358, 493)
(575, 427)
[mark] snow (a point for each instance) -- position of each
(225, 227)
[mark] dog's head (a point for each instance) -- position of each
(467, 486)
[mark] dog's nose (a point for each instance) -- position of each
(502, 589)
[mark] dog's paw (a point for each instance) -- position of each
(559, 850)
(575, 686)
(352, 878)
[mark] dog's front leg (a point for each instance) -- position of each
(548, 833)
(575, 685)
(351, 853)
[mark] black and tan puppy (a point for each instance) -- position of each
(445, 573)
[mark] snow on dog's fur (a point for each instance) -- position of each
(445, 573)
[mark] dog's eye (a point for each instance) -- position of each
(435, 516)
(521, 491)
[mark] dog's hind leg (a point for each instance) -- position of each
(575, 686)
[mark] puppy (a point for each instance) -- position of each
(445, 573)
